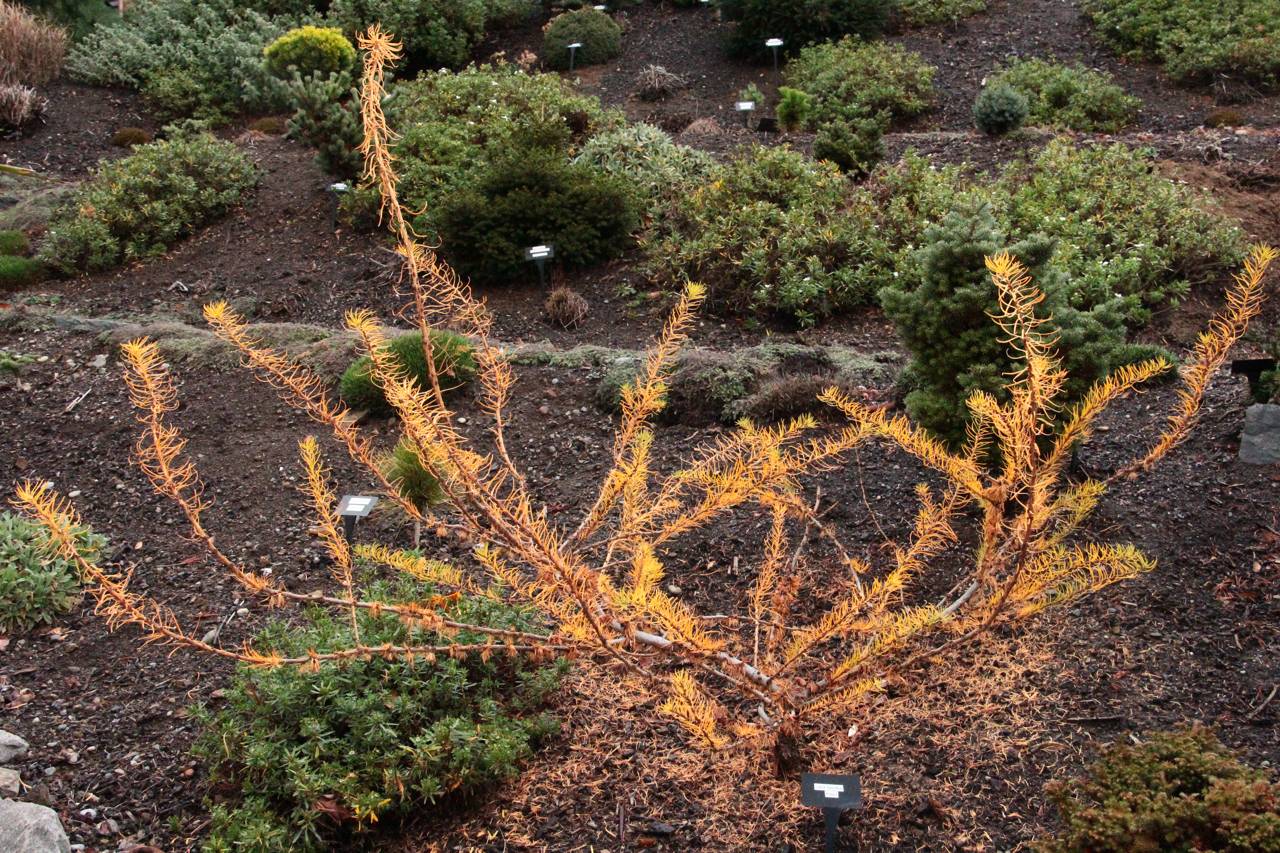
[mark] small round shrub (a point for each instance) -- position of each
(645, 157)
(322, 759)
(800, 22)
(852, 80)
(435, 33)
(1177, 791)
(404, 469)
(599, 35)
(17, 271)
(310, 50)
(855, 147)
(452, 353)
(999, 109)
(128, 137)
(14, 243)
(36, 585)
(793, 108)
(1225, 117)
(534, 198)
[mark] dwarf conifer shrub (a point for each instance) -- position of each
(139, 205)
(200, 59)
(852, 80)
(1180, 790)
(923, 13)
(855, 147)
(1000, 109)
(793, 108)
(942, 314)
(36, 584)
(16, 271)
(1196, 41)
(530, 198)
(322, 758)
(310, 50)
(800, 22)
(1070, 97)
(599, 35)
(455, 365)
(14, 243)
(773, 232)
(656, 169)
(129, 137)
(436, 33)
(326, 117)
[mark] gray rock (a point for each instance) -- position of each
(28, 828)
(1260, 444)
(11, 747)
(10, 782)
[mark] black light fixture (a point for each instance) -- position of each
(540, 255)
(774, 44)
(351, 509)
(573, 54)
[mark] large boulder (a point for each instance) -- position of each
(29, 828)
(1260, 443)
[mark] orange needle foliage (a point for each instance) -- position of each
(598, 585)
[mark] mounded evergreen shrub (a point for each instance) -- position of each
(1000, 109)
(599, 35)
(852, 80)
(36, 586)
(856, 147)
(943, 310)
(657, 169)
(310, 50)
(17, 271)
(800, 22)
(454, 359)
(322, 759)
(534, 197)
(1177, 791)
(435, 33)
(139, 205)
(772, 232)
(1070, 97)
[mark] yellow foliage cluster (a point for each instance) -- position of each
(598, 585)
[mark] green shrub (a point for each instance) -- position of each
(36, 585)
(532, 197)
(435, 33)
(1000, 109)
(190, 58)
(1178, 791)
(14, 243)
(800, 22)
(943, 313)
(327, 117)
(775, 232)
(139, 205)
(793, 108)
(856, 148)
(851, 81)
(1070, 97)
(16, 271)
(452, 353)
(656, 169)
(310, 50)
(453, 126)
(923, 13)
(1196, 41)
(1121, 227)
(599, 35)
(403, 467)
(321, 758)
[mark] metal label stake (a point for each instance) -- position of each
(834, 794)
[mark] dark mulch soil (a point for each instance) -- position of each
(77, 130)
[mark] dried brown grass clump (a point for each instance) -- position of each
(566, 307)
(20, 105)
(127, 137)
(31, 50)
(821, 633)
(655, 83)
(270, 125)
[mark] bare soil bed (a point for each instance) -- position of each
(959, 762)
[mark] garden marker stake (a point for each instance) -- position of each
(540, 255)
(774, 44)
(834, 795)
(573, 54)
(351, 509)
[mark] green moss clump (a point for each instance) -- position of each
(452, 353)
